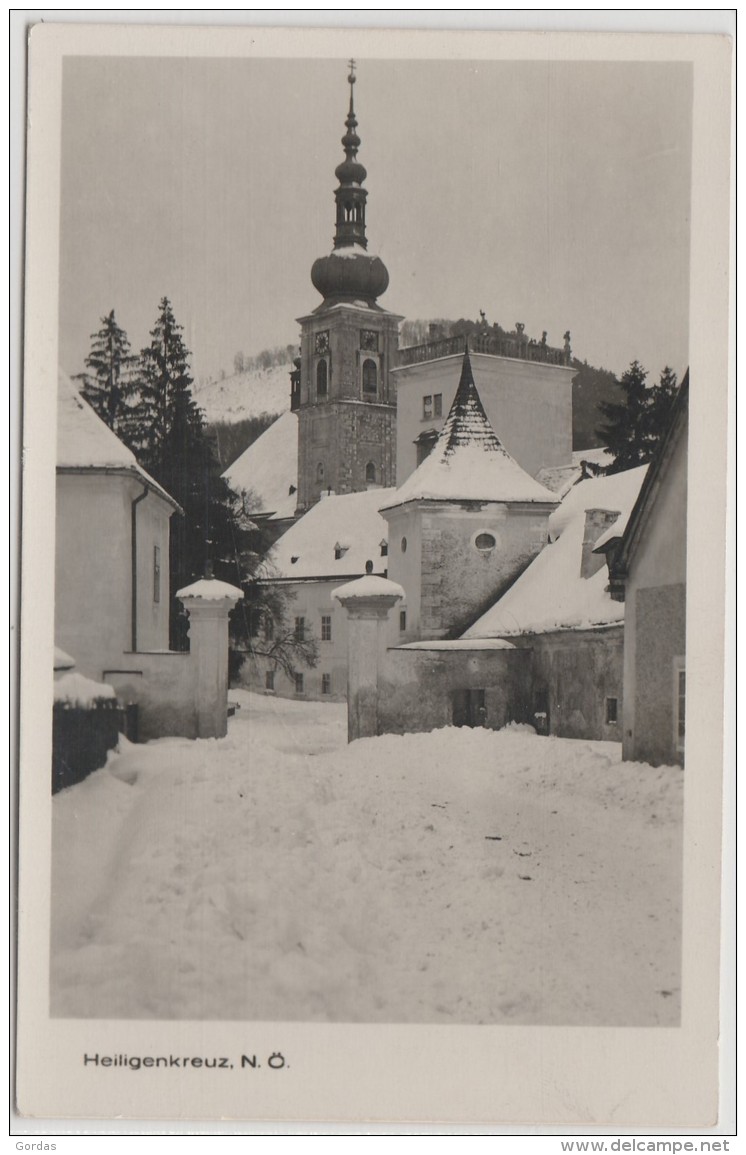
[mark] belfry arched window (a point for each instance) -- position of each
(370, 376)
(322, 379)
(370, 473)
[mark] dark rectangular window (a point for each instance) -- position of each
(269, 628)
(612, 706)
(300, 629)
(326, 627)
(326, 683)
(427, 407)
(269, 680)
(299, 685)
(438, 405)
(402, 620)
(156, 573)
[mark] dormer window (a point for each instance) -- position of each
(340, 551)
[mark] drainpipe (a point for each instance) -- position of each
(135, 504)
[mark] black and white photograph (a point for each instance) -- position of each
(371, 614)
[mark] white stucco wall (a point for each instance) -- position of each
(528, 403)
(93, 569)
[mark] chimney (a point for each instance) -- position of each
(597, 521)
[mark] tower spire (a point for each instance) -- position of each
(350, 195)
(349, 273)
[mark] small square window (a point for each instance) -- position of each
(438, 405)
(427, 407)
(402, 620)
(299, 684)
(612, 708)
(269, 680)
(326, 683)
(326, 627)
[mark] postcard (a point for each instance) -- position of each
(374, 577)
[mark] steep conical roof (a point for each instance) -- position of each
(468, 461)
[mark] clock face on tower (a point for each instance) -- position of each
(322, 342)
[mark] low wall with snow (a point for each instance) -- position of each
(162, 686)
(424, 689)
(184, 694)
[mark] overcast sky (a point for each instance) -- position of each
(553, 194)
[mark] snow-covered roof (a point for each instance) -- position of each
(210, 590)
(84, 441)
(468, 462)
(459, 644)
(551, 594)
(560, 478)
(612, 491)
(349, 525)
(269, 468)
(369, 586)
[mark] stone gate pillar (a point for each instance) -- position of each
(208, 603)
(367, 601)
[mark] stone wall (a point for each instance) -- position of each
(578, 671)
(448, 581)
(422, 689)
(343, 438)
(347, 428)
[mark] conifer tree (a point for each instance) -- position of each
(661, 399)
(172, 443)
(636, 425)
(110, 383)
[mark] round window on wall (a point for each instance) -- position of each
(404, 545)
(485, 542)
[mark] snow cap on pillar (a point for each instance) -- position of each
(370, 586)
(209, 589)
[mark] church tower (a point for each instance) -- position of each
(346, 402)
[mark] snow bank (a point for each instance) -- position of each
(462, 876)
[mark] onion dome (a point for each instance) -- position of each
(349, 273)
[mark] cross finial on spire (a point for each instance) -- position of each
(351, 77)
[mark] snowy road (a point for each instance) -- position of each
(459, 876)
